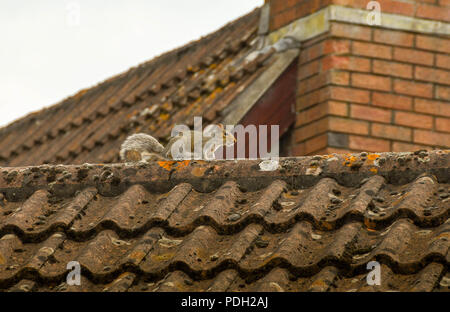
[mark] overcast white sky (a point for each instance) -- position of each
(50, 49)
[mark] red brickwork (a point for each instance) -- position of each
(284, 12)
(372, 89)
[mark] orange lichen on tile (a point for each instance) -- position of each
(164, 116)
(173, 165)
(371, 159)
(214, 94)
(371, 225)
(349, 160)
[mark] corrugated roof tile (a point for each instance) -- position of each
(130, 231)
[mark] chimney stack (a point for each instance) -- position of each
(368, 80)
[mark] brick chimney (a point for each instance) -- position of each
(364, 86)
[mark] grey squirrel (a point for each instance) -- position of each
(141, 147)
(185, 145)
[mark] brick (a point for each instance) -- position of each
(371, 82)
(277, 6)
(312, 98)
(369, 144)
(397, 7)
(442, 93)
(397, 38)
(311, 53)
(392, 69)
(351, 31)
(428, 1)
(443, 124)
(345, 62)
(281, 19)
(290, 3)
(308, 70)
(391, 132)
(306, 7)
(433, 43)
(433, 12)
(337, 108)
(392, 101)
(311, 130)
(338, 140)
(432, 138)
(312, 83)
(348, 125)
(360, 4)
(407, 147)
(323, 151)
(311, 114)
(413, 88)
(336, 46)
(315, 144)
(413, 120)
(318, 81)
(413, 56)
(387, 6)
(432, 107)
(372, 50)
(349, 95)
(338, 77)
(370, 113)
(443, 61)
(432, 75)
(298, 149)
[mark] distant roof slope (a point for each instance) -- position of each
(312, 224)
(201, 78)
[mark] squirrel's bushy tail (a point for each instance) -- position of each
(136, 145)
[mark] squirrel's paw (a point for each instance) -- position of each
(151, 157)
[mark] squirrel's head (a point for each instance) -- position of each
(227, 136)
(216, 130)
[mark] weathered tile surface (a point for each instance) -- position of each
(287, 230)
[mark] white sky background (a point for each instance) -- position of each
(45, 56)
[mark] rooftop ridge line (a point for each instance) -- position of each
(160, 177)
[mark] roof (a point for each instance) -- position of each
(201, 78)
(312, 224)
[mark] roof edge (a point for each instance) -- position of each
(244, 102)
(300, 172)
